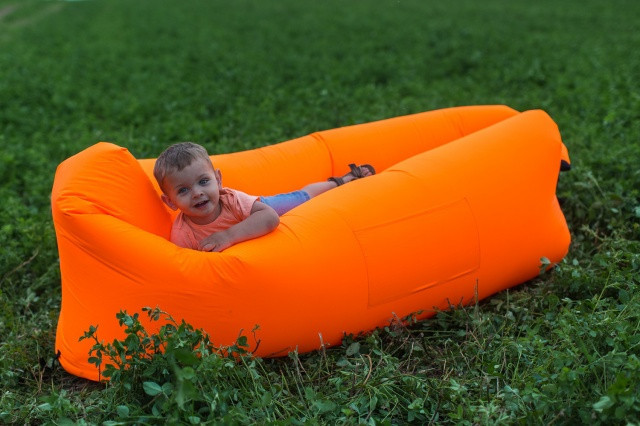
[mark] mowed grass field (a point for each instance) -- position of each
(563, 348)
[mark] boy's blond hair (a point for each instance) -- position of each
(176, 158)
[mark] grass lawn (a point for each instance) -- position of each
(563, 348)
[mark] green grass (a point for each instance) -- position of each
(563, 348)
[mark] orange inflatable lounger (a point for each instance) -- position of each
(463, 204)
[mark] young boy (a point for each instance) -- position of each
(212, 217)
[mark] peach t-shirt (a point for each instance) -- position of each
(236, 207)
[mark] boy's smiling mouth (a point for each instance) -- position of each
(200, 204)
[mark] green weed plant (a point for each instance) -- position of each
(560, 349)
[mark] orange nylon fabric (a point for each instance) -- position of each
(463, 206)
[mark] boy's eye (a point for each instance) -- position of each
(182, 190)
(204, 181)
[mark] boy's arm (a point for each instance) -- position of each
(262, 220)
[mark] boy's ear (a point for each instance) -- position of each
(218, 174)
(168, 202)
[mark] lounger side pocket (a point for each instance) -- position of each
(443, 241)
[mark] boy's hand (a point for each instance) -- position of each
(262, 220)
(216, 242)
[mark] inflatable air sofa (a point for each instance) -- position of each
(463, 206)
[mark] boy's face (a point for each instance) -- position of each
(195, 190)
